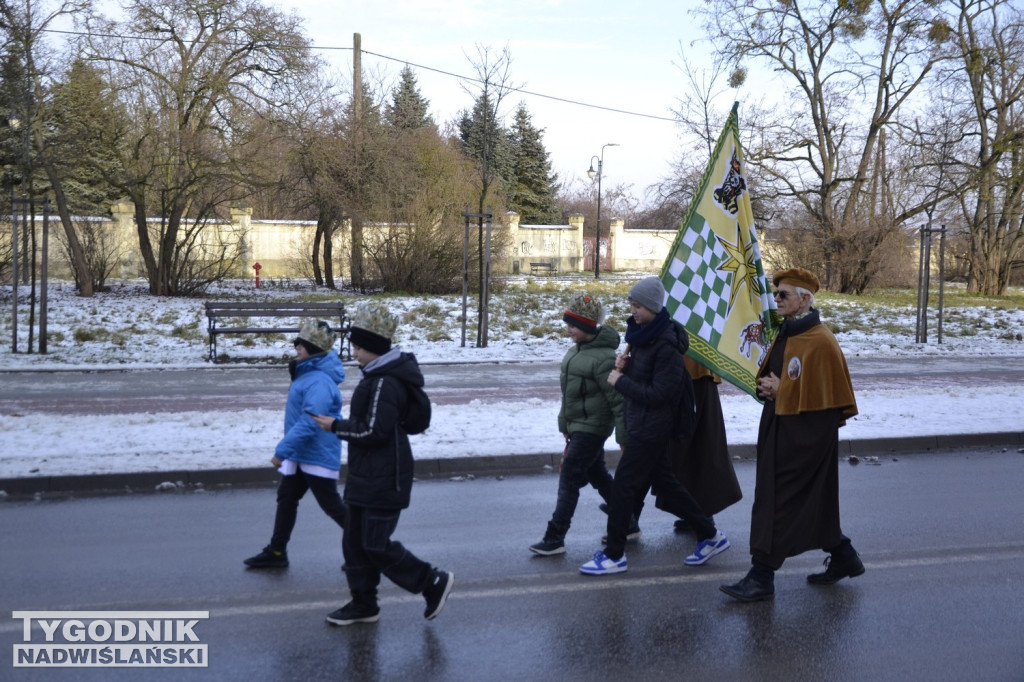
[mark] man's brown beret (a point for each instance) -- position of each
(798, 277)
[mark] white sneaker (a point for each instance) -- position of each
(602, 565)
(707, 549)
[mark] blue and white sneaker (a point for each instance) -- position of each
(602, 565)
(707, 549)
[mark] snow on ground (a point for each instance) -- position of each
(45, 445)
(125, 327)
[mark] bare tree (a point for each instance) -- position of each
(990, 40)
(701, 121)
(850, 67)
(193, 73)
(306, 133)
(483, 138)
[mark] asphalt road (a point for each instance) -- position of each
(222, 387)
(942, 599)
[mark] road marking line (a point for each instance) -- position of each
(583, 584)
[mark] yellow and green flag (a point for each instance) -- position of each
(716, 284)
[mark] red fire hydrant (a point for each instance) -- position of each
(256, 267)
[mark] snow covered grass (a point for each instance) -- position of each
(127, 326)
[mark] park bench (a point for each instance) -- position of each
(543, 267)
(333, 313)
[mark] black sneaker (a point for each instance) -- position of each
(837, 569)
(354, 612)
(268, 558)
(437, 591)
(548, 547)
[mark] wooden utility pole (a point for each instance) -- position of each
(357, 76)
(356, 256)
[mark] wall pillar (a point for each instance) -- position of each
(615, 230)
(241, 225)
(576, 222)
(130, 262)
(517, 262)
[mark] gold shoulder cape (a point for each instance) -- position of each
(814, 375)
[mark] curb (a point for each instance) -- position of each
(496, 465)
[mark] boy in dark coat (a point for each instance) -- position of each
(380, 474)
(650, 381)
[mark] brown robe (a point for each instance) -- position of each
(796, 496)
(702, 464)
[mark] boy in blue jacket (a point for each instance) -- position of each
(307, 458)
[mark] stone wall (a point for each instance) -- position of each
(281, 247)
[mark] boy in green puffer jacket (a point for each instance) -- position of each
(590, 409)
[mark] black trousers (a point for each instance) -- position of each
(583, 464)
(290, 491)
(370, 552)
(643, 465)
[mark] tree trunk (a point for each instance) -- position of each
(358, 275)
(317, 237)
(167, 256)
(78, 261)
(146, 245)
(329, 256)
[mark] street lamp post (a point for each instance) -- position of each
(591, 173)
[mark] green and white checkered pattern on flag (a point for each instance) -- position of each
(716, 284)
(698, 295)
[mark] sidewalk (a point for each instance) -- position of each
(855, 450)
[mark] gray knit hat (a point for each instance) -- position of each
(650, 293)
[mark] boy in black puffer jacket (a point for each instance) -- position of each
(590, 409)
(650, 379)
(380, 474)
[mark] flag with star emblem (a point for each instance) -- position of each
(716, 284)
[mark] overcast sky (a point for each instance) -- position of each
(610, 54)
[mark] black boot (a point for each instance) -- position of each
(757, 585)
(842, 562)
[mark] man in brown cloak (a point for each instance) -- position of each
(808, 395)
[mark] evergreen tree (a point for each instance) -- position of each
(84, 119)
(484, 139)
(13, 155)
(407, 109)
(531, 186)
